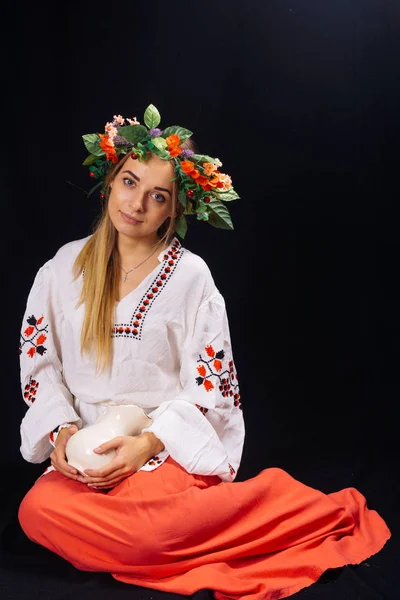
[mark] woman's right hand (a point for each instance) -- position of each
(58, 458)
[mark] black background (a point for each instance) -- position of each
(300, 100)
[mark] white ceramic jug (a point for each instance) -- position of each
(117, 420)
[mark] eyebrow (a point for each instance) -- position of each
(138, 179)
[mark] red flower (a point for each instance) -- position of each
(29, 330)
(210, 351)
(41, 339)
(208, 385)
(39, 320)
(201, 370)
(217, 365)
(31, 352)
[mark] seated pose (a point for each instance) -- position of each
(129, 316)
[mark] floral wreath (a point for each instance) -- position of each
(203, 189)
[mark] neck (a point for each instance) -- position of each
(133, 249)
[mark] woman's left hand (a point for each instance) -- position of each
(131, 454)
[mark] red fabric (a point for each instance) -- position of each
(262, 539)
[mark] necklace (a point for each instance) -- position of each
(133, 268)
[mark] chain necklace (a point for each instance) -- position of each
(134, 268)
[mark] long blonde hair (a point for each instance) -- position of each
(98, 263)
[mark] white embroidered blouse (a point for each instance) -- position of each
(172, 357)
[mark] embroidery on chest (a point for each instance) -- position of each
(134, 328)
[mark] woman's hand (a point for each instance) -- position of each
(57, 457)
(132, 452)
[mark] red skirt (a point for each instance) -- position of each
(261, 539)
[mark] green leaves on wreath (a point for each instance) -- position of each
(92, 141)
(183, 133)
(226, 196)
(89, 160)
(133, 133)
(152, 117)
(219, 215)
(181, 226)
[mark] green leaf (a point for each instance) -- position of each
(100, 183)
(226, 196)
(151, 116)
(181, 226)
(219, 215)
(164, 154)
(89, 160)
(202, 158)
(133, 133)
(182, 198)
(160, 143)
(92, 141)
(183, 133)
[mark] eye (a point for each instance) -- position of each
(160, 198)
(127, 179)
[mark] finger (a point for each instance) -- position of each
(65, 466)
(114, 465)
(104, 486)
(110, 445)
(64, 472)
(117, 474)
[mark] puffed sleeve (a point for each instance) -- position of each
(43, 388)
(203, 427)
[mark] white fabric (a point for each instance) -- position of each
(172, 357)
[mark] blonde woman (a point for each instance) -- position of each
(128, 315)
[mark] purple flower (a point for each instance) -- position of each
(121, 141)
(155, 132)
(186, 153)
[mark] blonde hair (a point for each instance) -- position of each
(98, 262)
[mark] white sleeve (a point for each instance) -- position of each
(203, 428)
(43, 388)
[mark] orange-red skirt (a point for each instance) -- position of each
(262, 539)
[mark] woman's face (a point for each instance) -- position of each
(141, 197)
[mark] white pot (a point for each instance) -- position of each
(117, 420)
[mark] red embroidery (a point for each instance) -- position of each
(210, 373)
(231, 469)
(202, 409)
(30, 390)
(34, 336)
(154, 460)
(134, 328)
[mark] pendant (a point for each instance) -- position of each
(126, 275)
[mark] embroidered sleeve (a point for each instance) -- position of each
(203, 427)
(43, 388)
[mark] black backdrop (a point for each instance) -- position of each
(300, 101)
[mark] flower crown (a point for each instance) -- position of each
(203, 189)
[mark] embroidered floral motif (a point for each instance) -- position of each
(202, 409)
(34, 336)
(211, 374)
(134, 328)
(154, 460)
(231, 469)
(30, 390)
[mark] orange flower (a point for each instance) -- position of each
(31, 352)
(108, 147)
(187, 166)
(41, 339)
(201, 370)
(208, 385)
(173, 140)
(29, 330)
(195, 174)
(210, 351)
(175, 151)
(201, 180)
(217, 365)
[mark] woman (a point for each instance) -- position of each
(129, 316)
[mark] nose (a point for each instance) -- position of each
(137, 203)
